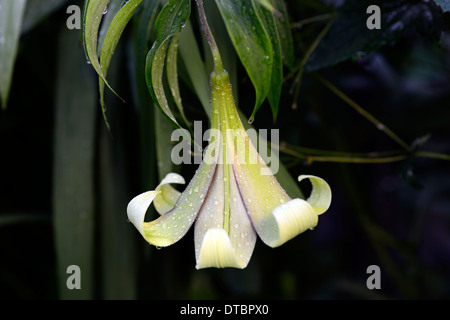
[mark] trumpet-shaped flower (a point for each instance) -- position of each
(231, 200)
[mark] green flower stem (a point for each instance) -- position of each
(209, 36)
(380, 126)
(433, 155)
(318, 18)
(314, 155)
(301, 66)
(219, 103)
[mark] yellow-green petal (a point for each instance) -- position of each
(161, 197)
(168, 195)
(137, 208)
(216, 250)
(292, 218)
(320, 198)
(218, 243)
(173, 225)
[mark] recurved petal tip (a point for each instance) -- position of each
(217, 251)
(320, 198)
(294, 217)
(137, 208)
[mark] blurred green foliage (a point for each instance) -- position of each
(59, 159)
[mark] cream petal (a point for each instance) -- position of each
(216, 250)
(242, 234)
(320, 197)
(264, 197)
(168, 195)
(290, 219)
(294, 217)
(173, 225)
(160, 197)
(214, 246)
(137, 208)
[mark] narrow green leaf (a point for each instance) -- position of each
(267, 18)
(11, 14)
(73, 198)
(252, 44)
(112, 37)
(163, 145)
(143, 24)
(170, 21)
(118, 246)
(284, 32)
(198, 79)
(118, 253)
(157, 80)
(172, 75)
(93, 14)
(113, 8)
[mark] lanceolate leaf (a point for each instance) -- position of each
(156, 75)
(172, 75)
(190, 54)
(169, 23)
(11, 14)
(114, 7)
(112, 37)
(93, 14)
(284, 32)
(143, 26)
(251, 42)
(267, 18)
(74, 192)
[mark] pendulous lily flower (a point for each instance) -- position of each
(231, 199)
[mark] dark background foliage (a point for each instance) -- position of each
(395, 215)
